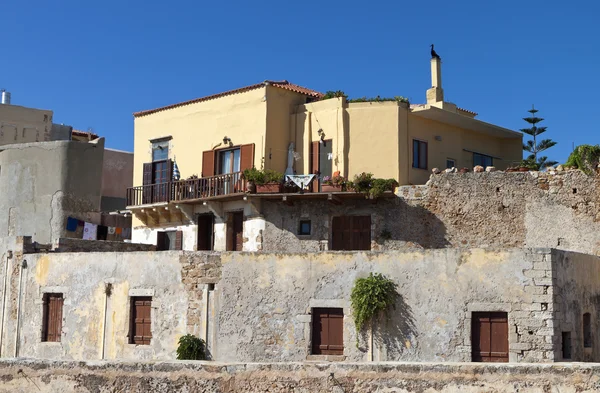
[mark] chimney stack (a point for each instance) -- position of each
(4, 97)
(436, 93)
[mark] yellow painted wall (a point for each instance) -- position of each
(19, 124)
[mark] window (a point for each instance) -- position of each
(419, 154)
(327, 331)
(450, 163)
(351, 233)
(483, 160)
(566, 345)
(52, 317)
(587, 330)
(229, 161)
(140, 331)
(160, 151)
(489, 337)
(304, 228)
(169, 240)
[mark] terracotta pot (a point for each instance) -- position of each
(328, 188)
(269, 188)
(523, 169)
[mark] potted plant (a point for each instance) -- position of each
(372, 187)
(265, 181)
(335, 183)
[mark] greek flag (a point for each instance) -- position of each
(176, 174)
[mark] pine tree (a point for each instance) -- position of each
(532, 146)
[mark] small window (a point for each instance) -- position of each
(450, 163)
(160, 151)
(419, 154)
(327, 331)
(483, 160)
(169, 240)
(587, 330)
(140, 324)
(566, 345)
(304, 228)
(52, 317)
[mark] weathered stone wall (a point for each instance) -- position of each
(25, 376)
(80, 245)
(488, 210)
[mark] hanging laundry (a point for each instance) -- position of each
(118, 230)
(90, 231)
(112, 230)
(80, 223)
(127, 233)
(72, 224)
(102, 232)
(330, 156)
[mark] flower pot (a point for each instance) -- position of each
(523, 169)
(269, 188)
(330, 188)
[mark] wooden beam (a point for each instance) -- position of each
(334, 199)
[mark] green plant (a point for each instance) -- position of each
(335, 180)
(382, 185)
(334, 94)
(191, 348)
(532, 146)
(585, 157)
(260, 177)
(374, 187)
(385, 235)
(379, 99)
(370, 296)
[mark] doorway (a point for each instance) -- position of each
(321, 162)
(235, 231)
(205, 232)
(489, 337)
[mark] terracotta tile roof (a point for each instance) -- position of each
(84, 134)
(468, 111)
(281, 84)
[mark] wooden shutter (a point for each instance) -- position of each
(147, 173)
(52, 317)
(489, 337)
(314, 164)
(179, 240)
(161, 240)
(351, 233)
(328, 331)
(246, 156)
(141, 320)
(208, 163)
(238, 228)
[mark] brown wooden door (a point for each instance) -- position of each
(142, 319)
(351, 233)
(314, 165)
(235, 231)
(328, 331)
(205, 232)
(489, 337)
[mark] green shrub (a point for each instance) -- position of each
(191, 348)
(260, 177)
(367, 184)
(370, 296)
(585, 157)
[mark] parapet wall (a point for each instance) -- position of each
(25, 376)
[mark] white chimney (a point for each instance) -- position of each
(436, 93)
(4, 97)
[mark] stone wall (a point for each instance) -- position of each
(485, 210)
(80, 245)
(25, 376)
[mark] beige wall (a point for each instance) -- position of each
(19, 124)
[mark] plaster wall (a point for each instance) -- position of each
(117, 176)
(43, 183)
(19, 124)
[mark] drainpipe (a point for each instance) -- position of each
(17, 335)
(107, 292)
(8, 256)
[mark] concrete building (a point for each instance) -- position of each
(285, 127)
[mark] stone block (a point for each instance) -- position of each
(542, 281)
(545, 332)
(520, 346)
(542, 298)
(534, 273)
(542, 266)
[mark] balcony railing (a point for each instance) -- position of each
(206, 187)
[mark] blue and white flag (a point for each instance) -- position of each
(176, 174)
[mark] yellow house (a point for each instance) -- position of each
(188, 157)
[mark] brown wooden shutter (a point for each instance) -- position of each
(141, 331)
(208, 163)
(328, 331)
(351, 233)
(314, 164)
(246, 156)
(147, 173)
(52, 317)
(179, 240)
(489, 336)
(337, 233)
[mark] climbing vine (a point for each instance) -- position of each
(585, 157)
(370, 296)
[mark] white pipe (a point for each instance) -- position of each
(8, 256)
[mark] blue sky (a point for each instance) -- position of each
(95, 63)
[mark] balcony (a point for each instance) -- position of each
(187, 190)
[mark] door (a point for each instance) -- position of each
(351, 233)
(489, 337)
(162, 173)
(235, 231)
(321, 162)
(328, 331)
(205, 232)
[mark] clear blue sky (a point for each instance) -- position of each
(95, 63)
